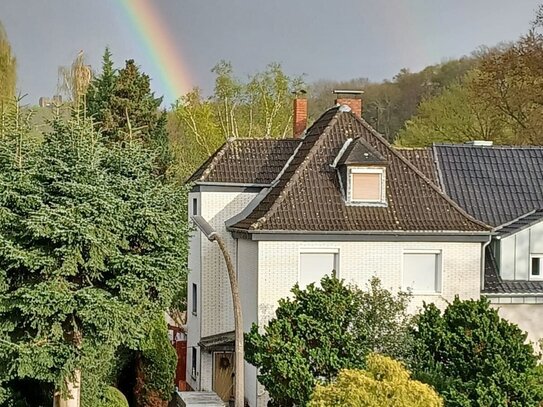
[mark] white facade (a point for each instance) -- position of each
(267, 270)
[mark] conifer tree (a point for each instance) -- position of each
(123, 106)
(92, 252)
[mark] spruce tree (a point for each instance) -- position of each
(92, 252)
(123, 105)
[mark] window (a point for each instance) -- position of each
(193, 363)
(422, 272)
(536, 267)
(315, 264)
(194, 298)
(367, 185)
(195, 206)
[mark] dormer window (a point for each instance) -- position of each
(362, 173)
(366, 185)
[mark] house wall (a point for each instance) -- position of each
(360, 261)
(247, 269)
(194, 276)
(515, 251)
(525, 312)
(207, 268)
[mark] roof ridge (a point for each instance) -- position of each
(419, 173)
(284, 190)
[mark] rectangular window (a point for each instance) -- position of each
(536, 267)
(194, 298)
(195, 206)
(367, 185)
(315, 264)
(193, 363)
(422, 272)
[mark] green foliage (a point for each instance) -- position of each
(92, 248)
(114, 398)
(259, 107)
(320, 331)
(475, 358)
(124, 108)
(158, 363)
(385, 382)
(389, 104)
(8, 69)
(455, 116)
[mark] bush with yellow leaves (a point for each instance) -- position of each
(385, 382)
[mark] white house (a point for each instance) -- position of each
(338, 197)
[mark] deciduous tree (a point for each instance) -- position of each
(320, 331)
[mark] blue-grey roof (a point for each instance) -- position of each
(493, 184)
(522, 222)
(494, 284)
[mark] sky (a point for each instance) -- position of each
(177, 42)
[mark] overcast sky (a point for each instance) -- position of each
(320, 38)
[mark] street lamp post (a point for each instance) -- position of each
(213, 236)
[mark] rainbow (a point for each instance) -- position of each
(162, 51)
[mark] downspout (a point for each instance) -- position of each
(483, 256)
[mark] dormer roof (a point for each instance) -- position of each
(359, 152)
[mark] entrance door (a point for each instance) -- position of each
(223, 376)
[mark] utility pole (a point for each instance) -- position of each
(212, 236)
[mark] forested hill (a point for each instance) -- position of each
(388, 104)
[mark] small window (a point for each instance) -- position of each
(194, 299)
(422, 272)
(315, 264)
(195, 206)
(193, 363)
(367, 185)
(536, 267)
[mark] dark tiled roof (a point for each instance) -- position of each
(423, 159)
(495, 285)
(522, 222)
(493, 184)
(246, 161)
(307, 196)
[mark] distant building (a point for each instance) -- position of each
(49, 102)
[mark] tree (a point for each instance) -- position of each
(124, 107)
(8, 68)
(259, 107)
(475, 358)
(321, 331)
(92, 251)
(455, 116)
(510, 82)
(385, 382)
(74, 81)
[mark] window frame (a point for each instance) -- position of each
(318, 250)
(366, 170)
(532, 277)
(438, 271)
(194, 206)
(194, 364)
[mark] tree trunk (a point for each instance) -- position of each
(73, 398)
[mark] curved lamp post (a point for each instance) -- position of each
(212, 236)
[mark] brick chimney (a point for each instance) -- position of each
(299, 120)
(351, 98)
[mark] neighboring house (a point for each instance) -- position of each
(338, 198)
(503, 187)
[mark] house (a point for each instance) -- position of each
(502, 187)
(338, 197)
